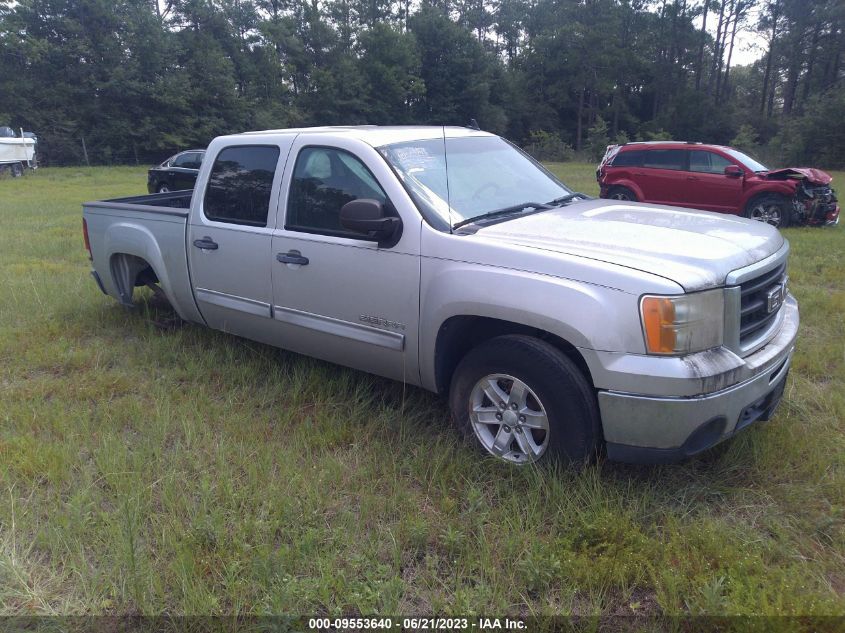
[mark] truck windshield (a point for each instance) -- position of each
(469, 176)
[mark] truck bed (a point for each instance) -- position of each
(130, 234)
(176, 203)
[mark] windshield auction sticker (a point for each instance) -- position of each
(415, 158)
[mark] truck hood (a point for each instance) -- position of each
(814, 176)
(695, 249)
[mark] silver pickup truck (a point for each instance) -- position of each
(556, 324)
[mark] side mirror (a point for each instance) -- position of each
(733, 171)
(367, 216)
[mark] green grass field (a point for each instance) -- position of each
(144, 470)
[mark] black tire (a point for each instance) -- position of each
(621, 193)
(163, 188)
(771, 208)
(17, 170)
(558, 386)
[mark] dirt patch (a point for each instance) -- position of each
(639, 602)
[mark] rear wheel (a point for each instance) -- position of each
(163, 189)
(770, 208)
(523, 401)
(621, 193)
(17, 170)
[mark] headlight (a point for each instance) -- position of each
(683, 324)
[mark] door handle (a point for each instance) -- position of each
(292, 257)
(692, 177)
(206, 244)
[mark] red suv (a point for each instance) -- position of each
(716, 178)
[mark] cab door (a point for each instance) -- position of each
(337, 296)
(230, 235)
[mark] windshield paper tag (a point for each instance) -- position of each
(415, 158)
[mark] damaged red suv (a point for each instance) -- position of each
(716, 178)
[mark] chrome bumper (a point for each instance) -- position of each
(648, 428)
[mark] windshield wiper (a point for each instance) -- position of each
(567, 198)
(504, 211)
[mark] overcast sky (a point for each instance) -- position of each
(749, 46)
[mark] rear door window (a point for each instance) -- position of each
(665, 159)
(182, 160)
(240, 183)
(193, 161)
(189, 160)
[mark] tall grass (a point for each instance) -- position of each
(185, 470)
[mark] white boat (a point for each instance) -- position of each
(17, 150)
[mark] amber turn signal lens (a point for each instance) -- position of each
(659, 324)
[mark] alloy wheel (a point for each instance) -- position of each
(766, 212)
(509, 419)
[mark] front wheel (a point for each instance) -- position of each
(524, 401)
(17, 170)
(163, 189)
(771, 208)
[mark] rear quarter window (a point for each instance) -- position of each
(632, 158)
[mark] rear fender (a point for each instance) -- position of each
(628, 184)
(136, 241)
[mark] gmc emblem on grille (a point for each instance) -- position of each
(774, 298)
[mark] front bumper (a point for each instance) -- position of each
(657, 429)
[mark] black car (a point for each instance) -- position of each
(177, 173)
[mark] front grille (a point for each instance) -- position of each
(754, 316)
(823, 194)
(820, 202)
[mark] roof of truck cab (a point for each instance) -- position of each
(378, 135)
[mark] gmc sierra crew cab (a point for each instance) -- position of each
(556, 324)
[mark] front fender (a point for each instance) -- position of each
(585, 315)
(786, 189)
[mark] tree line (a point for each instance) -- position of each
(134, 80)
